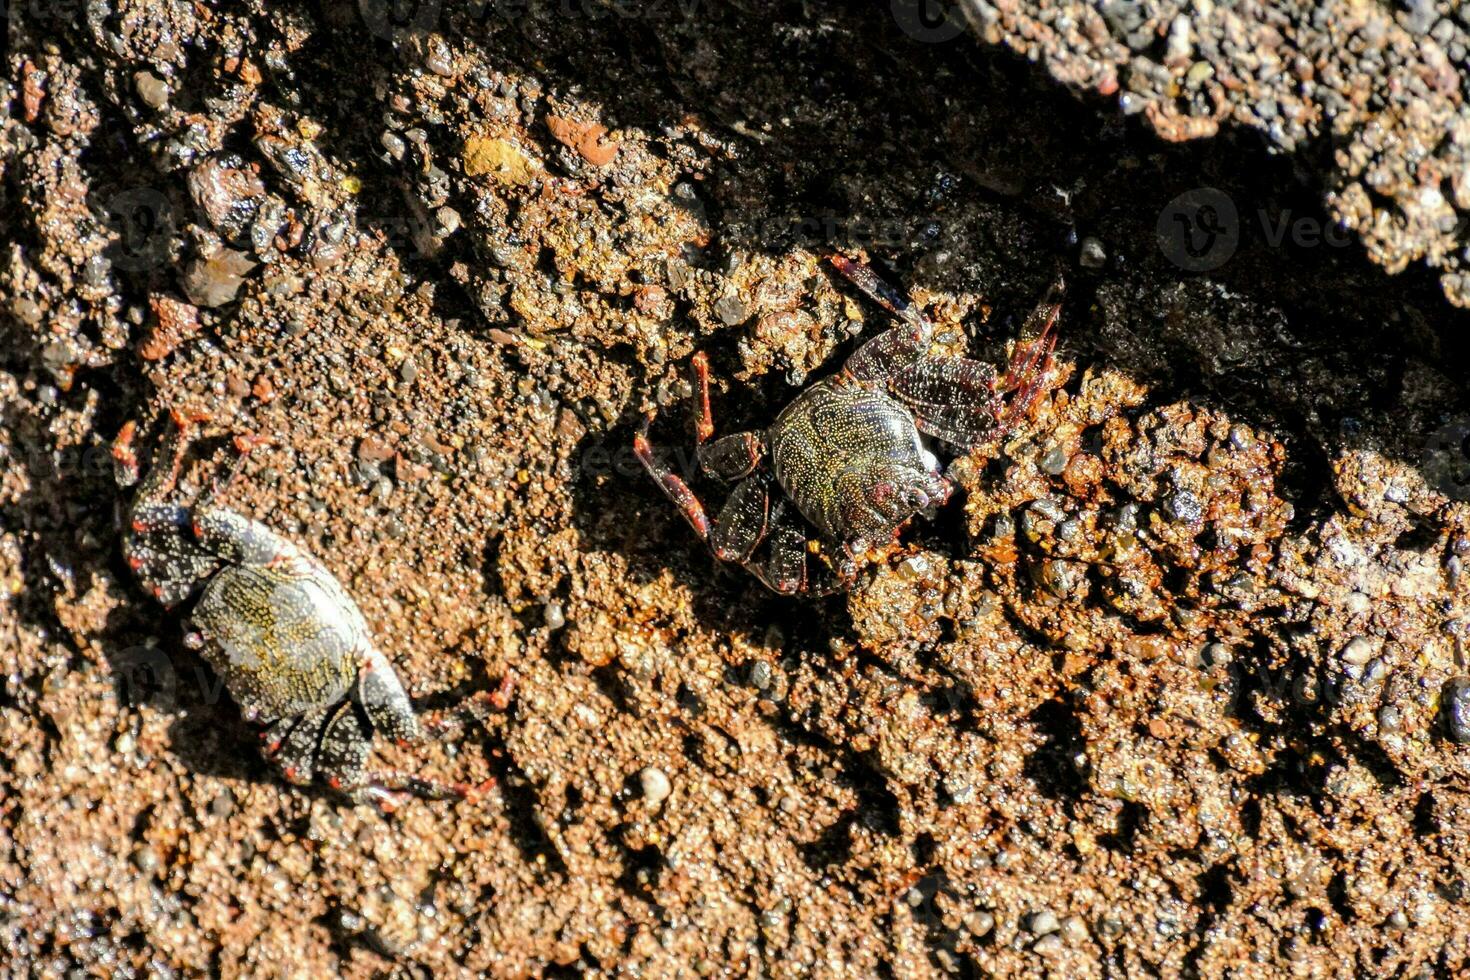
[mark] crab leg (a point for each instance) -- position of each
(1032, 358)
(729, 457)
(865, 279)
(704, 419)
(677, 490)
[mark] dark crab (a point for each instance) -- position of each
(847, 453)
(290, 644)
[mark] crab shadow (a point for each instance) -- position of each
(206, 732)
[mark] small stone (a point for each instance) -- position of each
(1358, 651)
(1042, 923)
(151, 89)
(553, 615)
(1055, 461)
(1184, 507)
(979, 923)
(1390, 719)
(393, 143)
(655, 784)
(1049, 509)
(760, 674)
(913, 567)
(499, 159)
(1199, 73)
(730, 310)
(1457, 709)
(145, 858)
(1049, 945)
(1074, 930)
(215, 280)
(223, 804)
(1092, 254)
(1215, 655)
(438, 58)
(446, 222)
(408, 371)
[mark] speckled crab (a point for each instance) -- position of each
(290, 644)
(847, 454)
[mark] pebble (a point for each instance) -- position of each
(1184, 507)
(760, 674)
(730, 310)
(1358, 651)
(215, 280)
(1055, 461)
(438, 59)
(555, 618)
(1092, 254)
(913, 567)
(1049, 509)
(1049, 945)
(1043, 922)
(1215, 655)
(145, 859)
(655, 784)
(223, 804)
(979, 923)
(446, 222)
(1457, 709)
(1199, 73)
(151, 89)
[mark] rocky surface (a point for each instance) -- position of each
(1177, 684)
(1368, 98)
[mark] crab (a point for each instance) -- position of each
(289, 643)
(847, 454)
